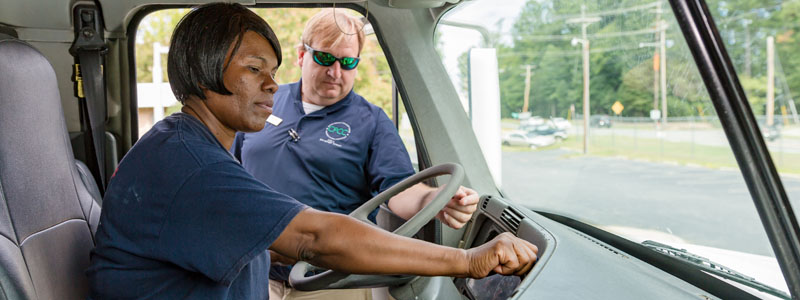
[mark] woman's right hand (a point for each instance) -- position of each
(505, 254)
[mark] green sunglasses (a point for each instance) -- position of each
(326, 59)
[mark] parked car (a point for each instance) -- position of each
(516, 138)
(602, 121)
(561, 123)
(532, 121)
(536, 140)
(771, 133)
(528, 139)
(549, 129)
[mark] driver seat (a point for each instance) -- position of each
(48, 200)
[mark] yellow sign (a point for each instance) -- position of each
(656, 61)
(617, 107)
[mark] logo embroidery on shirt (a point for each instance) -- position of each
(336, 131)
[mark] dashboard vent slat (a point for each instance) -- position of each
(512, 218)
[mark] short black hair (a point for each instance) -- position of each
(200, 44)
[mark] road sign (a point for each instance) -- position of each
(655, 114)
(617, 107)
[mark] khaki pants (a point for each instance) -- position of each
(277, 291)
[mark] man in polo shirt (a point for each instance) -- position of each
(335, 149)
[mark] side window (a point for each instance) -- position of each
(406, 132)
(153, 94)
(155, 98)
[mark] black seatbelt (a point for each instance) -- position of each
(88, 49)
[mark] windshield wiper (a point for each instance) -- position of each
(707, 265)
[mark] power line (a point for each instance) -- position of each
(551, 38)
(559, 37)
(753, 11)
(610, 12)
(577, 52)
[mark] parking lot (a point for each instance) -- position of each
(695, 204)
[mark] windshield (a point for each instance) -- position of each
(638, 149)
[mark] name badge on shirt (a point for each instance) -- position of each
(275, 121)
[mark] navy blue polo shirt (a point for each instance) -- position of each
(344, 154)
(183, 219)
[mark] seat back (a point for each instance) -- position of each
(48, 210)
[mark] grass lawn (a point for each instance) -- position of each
(673, 152)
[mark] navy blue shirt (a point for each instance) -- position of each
(183, 219)
(344, 155)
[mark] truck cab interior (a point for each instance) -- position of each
(70, 110)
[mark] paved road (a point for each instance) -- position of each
(702, 206)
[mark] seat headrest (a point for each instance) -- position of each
(4, 36)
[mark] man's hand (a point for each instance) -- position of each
(459, 210)
(455, 214)
(505, 254)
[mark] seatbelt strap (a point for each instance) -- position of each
(88, 48)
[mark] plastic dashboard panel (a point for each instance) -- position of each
(571, 265)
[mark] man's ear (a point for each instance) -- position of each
(300, 54)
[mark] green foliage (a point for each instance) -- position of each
(288, 24)
(622, 57)
(156, 27)
(373, 80)
(756, 93)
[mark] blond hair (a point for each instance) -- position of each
(331, 28)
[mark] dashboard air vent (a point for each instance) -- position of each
(512, 218)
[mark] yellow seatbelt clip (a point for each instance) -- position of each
(78, 81)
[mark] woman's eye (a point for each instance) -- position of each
(254, 69)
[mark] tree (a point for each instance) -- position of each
(156, 27)
(373, 80)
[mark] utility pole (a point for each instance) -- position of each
(661, 27)
(527, 88)
(656, 66)
(747, 64)
(659, 65)
(586, 110)
(663, 61)
(657, 62)
(770, 110)
(585, 43)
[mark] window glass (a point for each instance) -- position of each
(761, 38)
(407, 132)
(153, 94)
(155, 98)
(641, 153)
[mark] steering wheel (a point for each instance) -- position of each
(337, 280)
